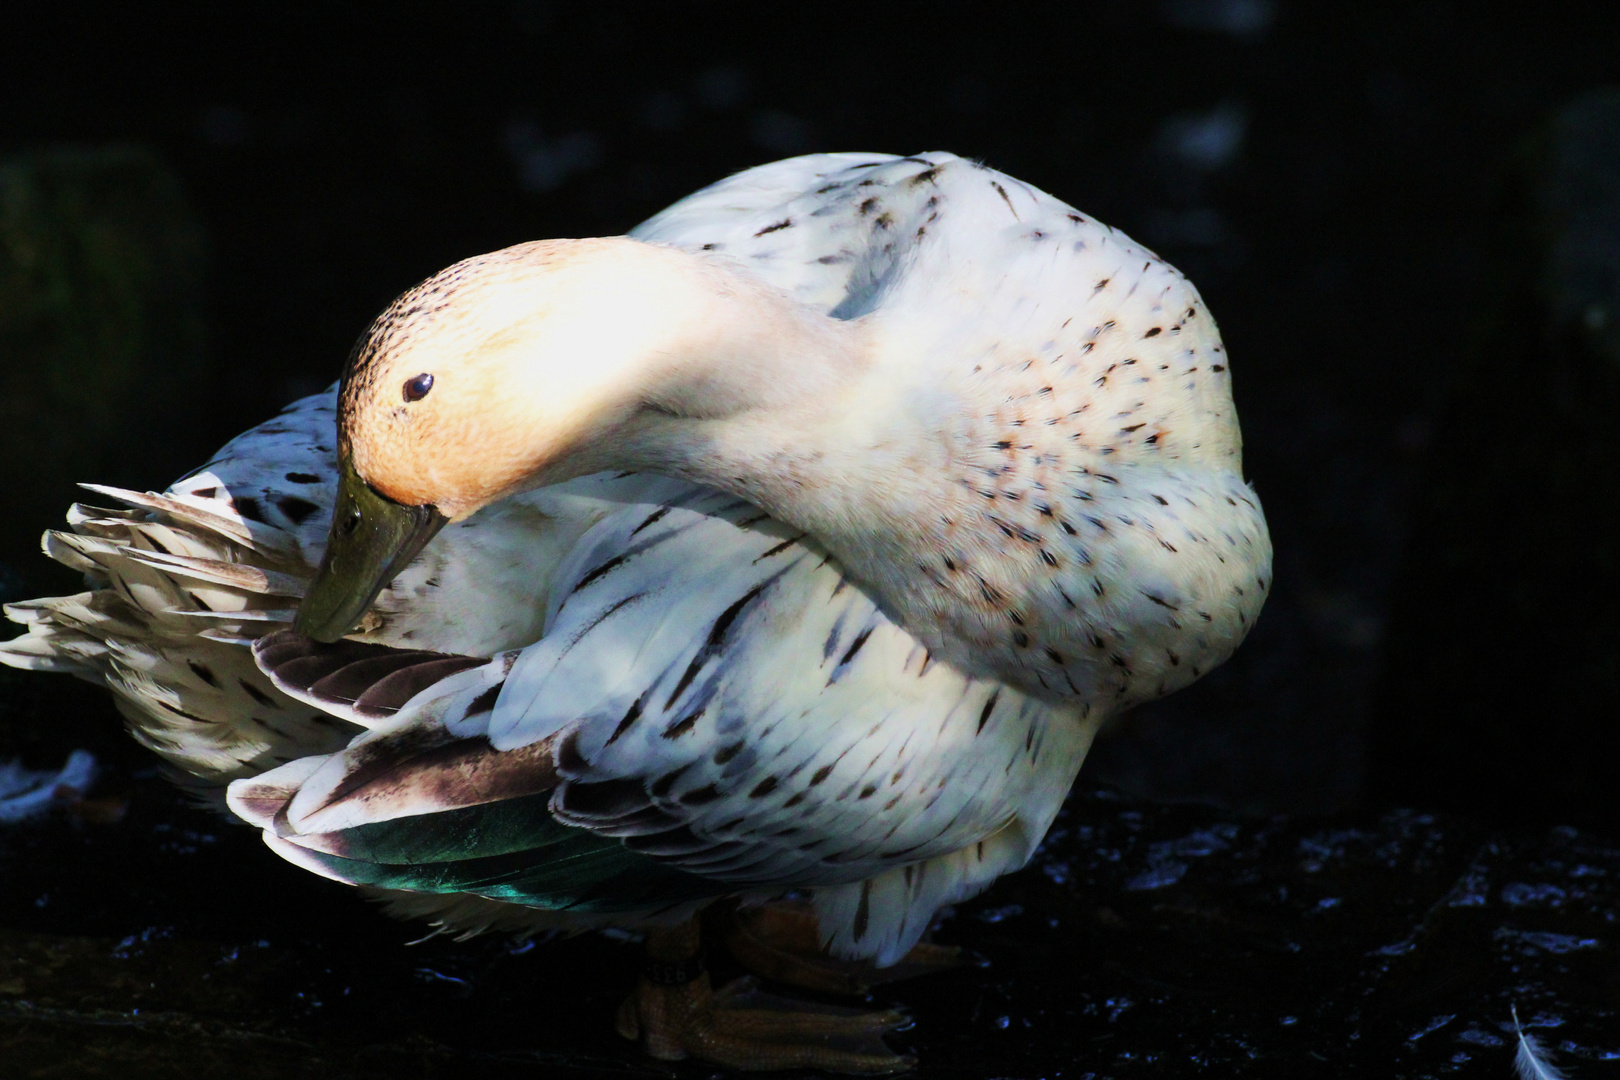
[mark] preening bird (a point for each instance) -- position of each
(797, 542)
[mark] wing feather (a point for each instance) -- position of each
(723, 705)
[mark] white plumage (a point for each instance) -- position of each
(1032, 520)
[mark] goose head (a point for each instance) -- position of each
(537, 364)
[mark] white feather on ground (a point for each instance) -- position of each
(1532, 1062)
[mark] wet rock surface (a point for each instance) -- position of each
(141, 937)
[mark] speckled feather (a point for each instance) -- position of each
(1092, 537)
(181, 582)
(724, 702)
(705, 685)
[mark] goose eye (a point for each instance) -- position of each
(416, 389)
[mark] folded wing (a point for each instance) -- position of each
(712, 709)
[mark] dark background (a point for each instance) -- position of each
(1374, 199)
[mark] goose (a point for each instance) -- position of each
(795, 544)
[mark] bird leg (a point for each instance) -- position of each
(781, 941)
(676, 1013)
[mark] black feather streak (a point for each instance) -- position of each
(717, 635)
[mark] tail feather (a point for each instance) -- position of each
(102, 521)
(201, 515)
(269, 615)
(236, 576)
(181, 584)
(70, 556)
